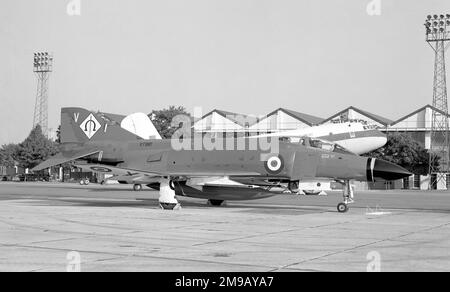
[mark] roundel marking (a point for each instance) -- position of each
(274, 165)
(100, 169)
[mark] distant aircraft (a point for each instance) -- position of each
(353, 136)
(105, 147)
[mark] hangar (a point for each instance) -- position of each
(279, 120)
(355, 114)
(223, 121)
(283, 120)
(416, 123)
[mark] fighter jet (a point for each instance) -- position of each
(259, 171)
(356, 137)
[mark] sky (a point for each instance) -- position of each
(245, 56)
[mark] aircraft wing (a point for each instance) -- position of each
(115, 170)
(138, 173)
(59, 159)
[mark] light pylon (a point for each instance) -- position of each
(42, 66)
(438, 37)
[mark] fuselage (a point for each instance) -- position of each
(298, 162)
(97, 143)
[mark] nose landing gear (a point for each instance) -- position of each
(348, 197)
(342, 208)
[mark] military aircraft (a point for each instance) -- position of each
(104, 146)
(356, 137)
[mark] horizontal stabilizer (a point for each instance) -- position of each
(59, 159)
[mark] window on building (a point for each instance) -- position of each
(417, 181)
(406, 183)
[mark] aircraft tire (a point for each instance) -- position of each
(342, 208)
(169, 206)
(215, 203)
(293, 186)
(311, 192)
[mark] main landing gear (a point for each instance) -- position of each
(293, 186)
(348, 197)
(167, 199)
(215, 203)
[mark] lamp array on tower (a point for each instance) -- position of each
(43, 62)
(438, 37)
(438, 27)
(42, 66)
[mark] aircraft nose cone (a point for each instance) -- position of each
(388, 170)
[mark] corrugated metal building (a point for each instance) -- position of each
(416, 123)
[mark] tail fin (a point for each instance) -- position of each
(79, 125)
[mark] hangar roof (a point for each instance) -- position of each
(240, 119)
(418, 111)
(305, 118)
(309, 119)
(382, 120)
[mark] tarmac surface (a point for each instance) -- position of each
(112, 228)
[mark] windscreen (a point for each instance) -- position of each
(324, 145)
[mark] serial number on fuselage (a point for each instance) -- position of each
(145, 144)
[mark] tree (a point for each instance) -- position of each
(403, 150)
(35, 149)
(7, 155)
(162, 120)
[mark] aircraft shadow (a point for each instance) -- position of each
(185, 203)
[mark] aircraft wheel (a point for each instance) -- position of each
(86, 182)
(311, 192)
(216, 203)
(137, 187)
(293, 186)
(82, 182)
(342, 208)
(170, 206)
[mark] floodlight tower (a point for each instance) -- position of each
(42, 66)
(438, 37)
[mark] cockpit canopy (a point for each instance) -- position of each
(321, 144)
